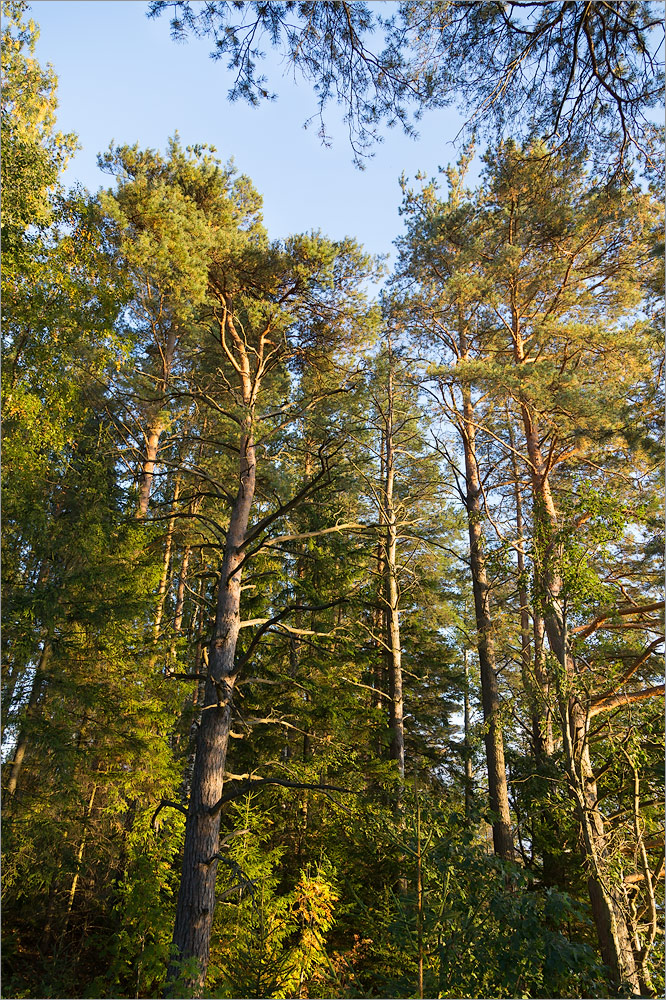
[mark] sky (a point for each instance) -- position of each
(123, 79)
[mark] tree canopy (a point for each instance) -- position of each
(583, 75)
(332, 652)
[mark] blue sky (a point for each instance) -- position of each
(122, 78)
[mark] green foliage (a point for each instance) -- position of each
(34, 153)
(137, 949)
(581, 77)
(269, 938)
(487, 929)
(163, 308)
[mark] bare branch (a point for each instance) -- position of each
(167, 804)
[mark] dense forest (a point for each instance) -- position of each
(332, 596)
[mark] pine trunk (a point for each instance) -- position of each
(196, 897)
(378, 619)
(392, 593)
(166, 565)
(156, 421)
(180, 599)
(469, 771)
(611, 924)
(534, 675)
(31, 710)
(148, 465)
(498, 792)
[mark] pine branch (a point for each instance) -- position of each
(167, 804)
(243, 787)
(604, 704)
(583, 631)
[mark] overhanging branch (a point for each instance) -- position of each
(583, 631)
(275, 620)
(604, 704)
(167, 804)
(240, 789)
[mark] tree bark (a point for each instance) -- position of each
(469, 771)
(534, 674)
(14, 669)
(498, 792)
(31, 709)
(607, 905)
(196, 897)
(156, 420)
(544, 741)
(180, 599)
(419, 896)
(392, 589)
(166, 563)
(379, 617)
(606, 899)
(79, 858)
(199, 652)
(148, 465)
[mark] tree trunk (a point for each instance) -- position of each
(199, 653)
(607, 905)
(544, 740)
(379, 629)
(469, 772)
(166, 563)
(198, 693)
(534, 675)
(14, 670)
(555, 871)
(419, 896)
(33, 700)
(395, 660)
(148, 465)
(613, 931)
(180, 598)
(167, 352)
(392, 591)
(196, 897)
(498, 793)
(79, 858)
(379, 619)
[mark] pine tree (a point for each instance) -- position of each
(439, 255)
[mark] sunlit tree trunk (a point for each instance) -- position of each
(180, 597)
(31, 709)
(469, 770)
(166, 564)
(534, 674)
(196, 897)
(394, 650)
(606, 899)
(79, 859)
(498, 792)
(156, 423)
(379, 615)
(152, 441)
